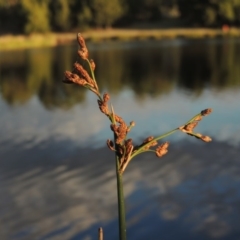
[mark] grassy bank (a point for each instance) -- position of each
(10, 42)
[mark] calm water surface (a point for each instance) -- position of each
(56, 174)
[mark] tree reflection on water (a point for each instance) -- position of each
(148, 68)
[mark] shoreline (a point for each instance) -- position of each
(15, 42)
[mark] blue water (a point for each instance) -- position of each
(57, 177)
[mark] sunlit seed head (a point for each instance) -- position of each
(162, 149)
(93, 65)
(206, 112)
(106, 97)
(132, 123)
(206, 138)
(190, 126)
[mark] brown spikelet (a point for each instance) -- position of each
(200, 136)
(106, 97)
(118, 119)
(93, 65)
(74, 78)
(162, 149)
(127, 156)
(120, 130)
(103, 104)
(79, 68)
(206, 112)
(103, 107)
(146, 143)
(114, 127)
(81, 40)
(129, 148)
(120, 150)
(190, 126)
(83, 52)
(132, 123)
(128, 144)
(148, 139)
(205, 138)
(110, 144)
(67, 78)
(121, 133)
(152, 144)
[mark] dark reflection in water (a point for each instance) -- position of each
(146, 70)
(211, 64)
(38, 72)
(56, 176)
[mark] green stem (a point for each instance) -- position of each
(155, 139)
(193, 118)
(121, 203)
(139, 150)
(92, 72)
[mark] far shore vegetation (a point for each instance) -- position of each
(10, 42)
(37, 23)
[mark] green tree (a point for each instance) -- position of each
(37, 16)
(210, 16)
(106, 12)
(229, 10)
(84, 15)
(60, 12)
(193, 11)
(226, 10)
(144, 10)
(11, 18)
(210, 12)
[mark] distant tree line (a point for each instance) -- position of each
(210, 12)
(29, 16)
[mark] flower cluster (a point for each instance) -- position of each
(80, 75)
(123, 146)
(188, 127)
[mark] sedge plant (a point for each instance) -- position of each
(83, 75)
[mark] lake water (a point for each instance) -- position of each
(56, 174)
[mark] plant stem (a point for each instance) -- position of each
(121, 203)
(155, 139)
